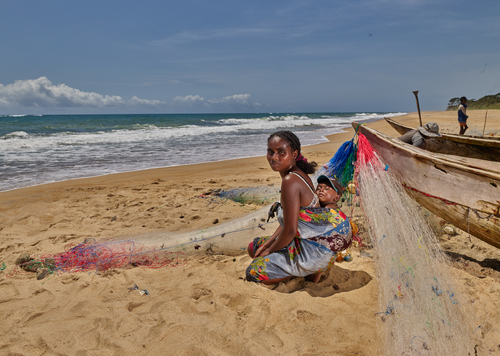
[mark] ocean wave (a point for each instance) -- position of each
(138, 133)
(19, 115)
(286, 120)
(100, 146)
(15, 134)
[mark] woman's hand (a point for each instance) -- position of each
(266, 252)
(262, 251)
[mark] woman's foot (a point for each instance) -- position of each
(314, 277)
(274, 281)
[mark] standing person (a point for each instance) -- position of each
(289, 252)
(462, 116)
(417, 137)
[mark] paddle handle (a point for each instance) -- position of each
(485, 116)
(418, 106)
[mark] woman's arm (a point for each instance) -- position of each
(268, 243)
(290, 202)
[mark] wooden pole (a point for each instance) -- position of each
(418, 107)
(485, 116)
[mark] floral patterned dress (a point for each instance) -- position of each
(322, 232)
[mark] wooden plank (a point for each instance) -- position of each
(485, 227)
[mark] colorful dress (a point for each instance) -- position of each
(322, 232)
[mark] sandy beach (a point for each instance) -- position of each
(199, 302)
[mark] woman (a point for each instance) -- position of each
(285, 254)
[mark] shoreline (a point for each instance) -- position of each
(112, 177)
(42, 155)
(201, 304)
(448, 125)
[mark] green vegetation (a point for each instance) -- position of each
(486, 102)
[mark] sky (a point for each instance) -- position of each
(199, 56)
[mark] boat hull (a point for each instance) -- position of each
(464, 192)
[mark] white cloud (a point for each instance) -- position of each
(225, 33)
(189, 99)
(135, 100)
(42, 93)
(234, 99)
(235, 102)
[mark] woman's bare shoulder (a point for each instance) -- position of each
(291, 183)
(292, 179)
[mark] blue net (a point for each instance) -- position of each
(341, 165)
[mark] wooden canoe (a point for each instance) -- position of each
(463, 191)
(487, 148)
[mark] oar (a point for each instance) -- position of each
(485, 116)
(418, 106)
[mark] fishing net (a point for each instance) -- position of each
(92, 255)
(251, 195)
(341, 165)
(102, 256)
(421, 308)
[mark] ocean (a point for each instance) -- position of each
(49, 148)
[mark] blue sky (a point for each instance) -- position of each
(245, 56)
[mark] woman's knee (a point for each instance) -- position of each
(250, 249)
(251, 275)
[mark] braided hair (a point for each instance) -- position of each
(294, 142)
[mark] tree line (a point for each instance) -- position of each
(486, 102)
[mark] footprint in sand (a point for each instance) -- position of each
(306, 316)
(200, 292)
(131, 306)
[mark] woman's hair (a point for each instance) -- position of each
(294, 142)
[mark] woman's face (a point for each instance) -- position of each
(280, 155)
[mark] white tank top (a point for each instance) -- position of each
(315, 200)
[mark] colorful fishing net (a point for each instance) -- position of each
(421, 308)
(341, 165)
(102, 256)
